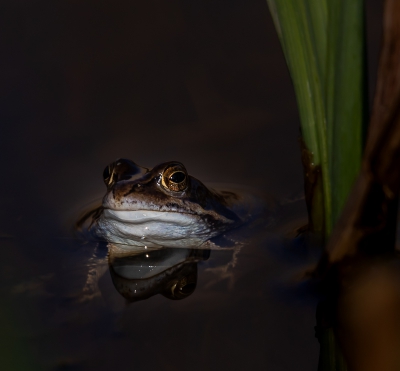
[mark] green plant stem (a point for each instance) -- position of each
(346, 97)
(300, 42)
(323, 43)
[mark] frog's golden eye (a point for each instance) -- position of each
(175, 178)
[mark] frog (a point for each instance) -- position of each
(164, 206)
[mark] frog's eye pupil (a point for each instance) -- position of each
(178, 177)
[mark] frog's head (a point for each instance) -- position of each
(132, 187)
(163, 206)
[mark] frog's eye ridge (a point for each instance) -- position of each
(106, 175)
(175, 178)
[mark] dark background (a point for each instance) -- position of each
(202, 82)
(86, 82)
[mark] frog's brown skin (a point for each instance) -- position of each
(163, 206)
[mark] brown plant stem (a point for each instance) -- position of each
(313, 191)
(368, 221)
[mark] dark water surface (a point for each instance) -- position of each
(201, 82)
(70, 309)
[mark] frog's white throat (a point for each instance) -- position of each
(154, 228)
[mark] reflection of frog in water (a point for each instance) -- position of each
(142, 272)
(147, 272)
(165, 206)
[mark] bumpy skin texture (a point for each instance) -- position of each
(139, 209)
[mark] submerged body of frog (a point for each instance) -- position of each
(165, 206)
